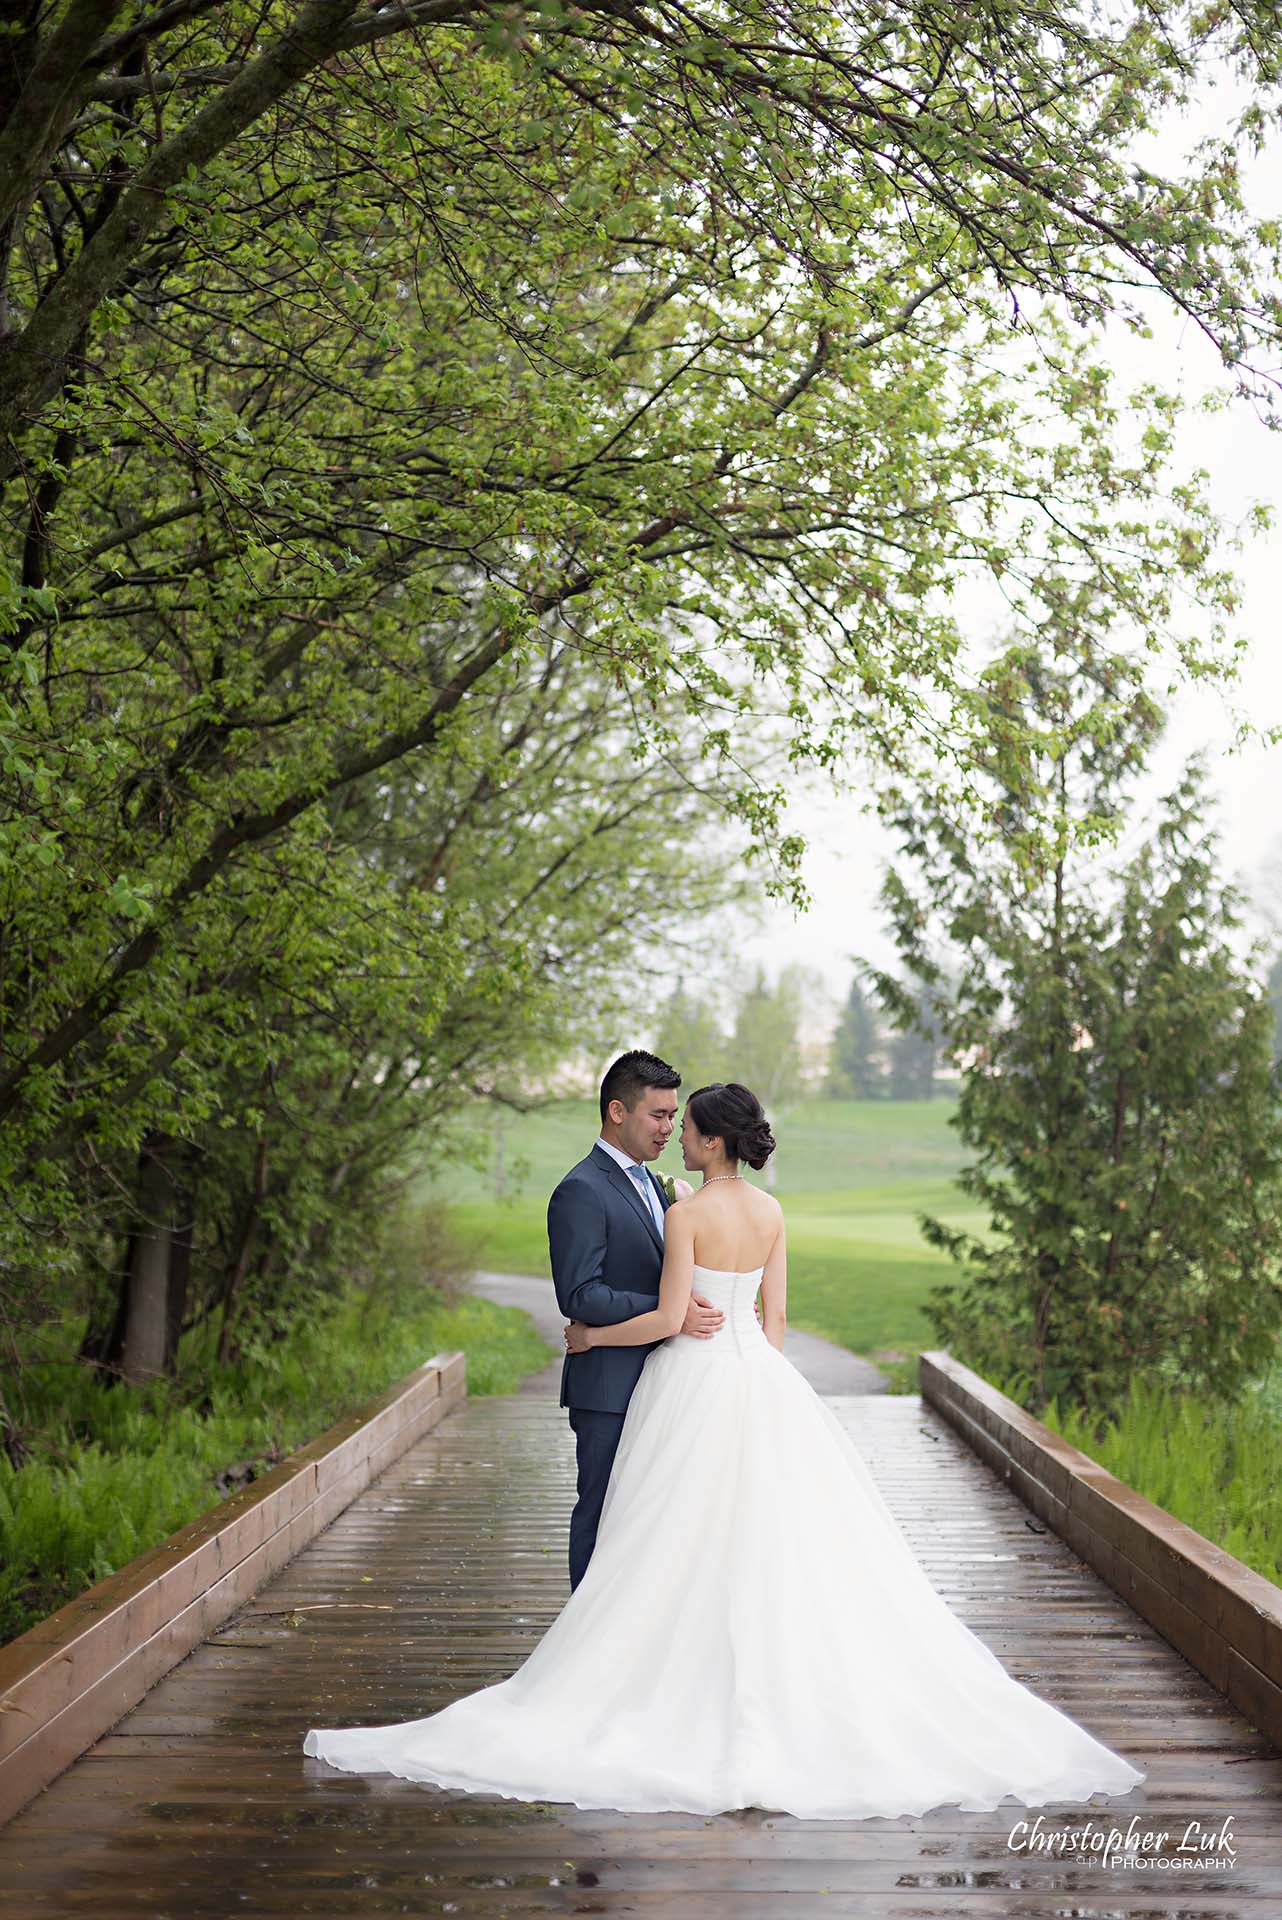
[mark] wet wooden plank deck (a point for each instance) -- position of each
(438, 1580)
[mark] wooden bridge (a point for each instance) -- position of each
(440, 1577)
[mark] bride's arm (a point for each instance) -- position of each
(774, 1290)
(674, 1292)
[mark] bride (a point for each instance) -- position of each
(752, 1629)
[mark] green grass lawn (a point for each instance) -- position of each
(852, 1176)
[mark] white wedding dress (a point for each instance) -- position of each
(753, 1630)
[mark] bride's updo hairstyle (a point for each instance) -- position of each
(734, 1115)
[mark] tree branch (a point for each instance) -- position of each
(34, 126)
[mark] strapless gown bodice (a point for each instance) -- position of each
(740, 1333)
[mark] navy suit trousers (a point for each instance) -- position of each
(596, 1438)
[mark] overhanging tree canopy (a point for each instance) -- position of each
(352, 358)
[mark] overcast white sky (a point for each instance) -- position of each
(1244, 462)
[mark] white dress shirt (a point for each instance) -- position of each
(645, 1187)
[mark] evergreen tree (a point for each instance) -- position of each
(913, 1052)
(856, 1069)
(1118, 1084)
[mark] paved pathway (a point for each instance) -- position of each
(828, 1367)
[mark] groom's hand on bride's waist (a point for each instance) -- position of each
(702, 1318)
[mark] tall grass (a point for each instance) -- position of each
(114, 1469)
(1217, 1468)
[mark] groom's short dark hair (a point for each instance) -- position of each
(631, 1074)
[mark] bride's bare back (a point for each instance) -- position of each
(735, 1225)
(738, 1228)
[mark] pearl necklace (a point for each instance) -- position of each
(708, 1178)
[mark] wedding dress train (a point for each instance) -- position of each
(753, 1630)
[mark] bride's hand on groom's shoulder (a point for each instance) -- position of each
(578, 1337)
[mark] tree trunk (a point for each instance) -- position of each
(147, 1315)
(181, 1240)
(165, 1212)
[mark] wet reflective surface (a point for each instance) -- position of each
(442, 1576)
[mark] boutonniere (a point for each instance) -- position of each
(674, 1189)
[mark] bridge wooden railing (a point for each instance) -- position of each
(72, 1676)
(1221, 1615)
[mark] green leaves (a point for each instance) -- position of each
(129, 897)
(503, 419)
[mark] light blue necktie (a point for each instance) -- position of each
(638, 1174)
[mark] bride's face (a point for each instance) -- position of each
(693, 1151)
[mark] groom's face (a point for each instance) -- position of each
(645, 1130)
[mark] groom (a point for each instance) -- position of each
(605, 1236)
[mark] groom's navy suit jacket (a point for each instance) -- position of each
(607, 1256)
